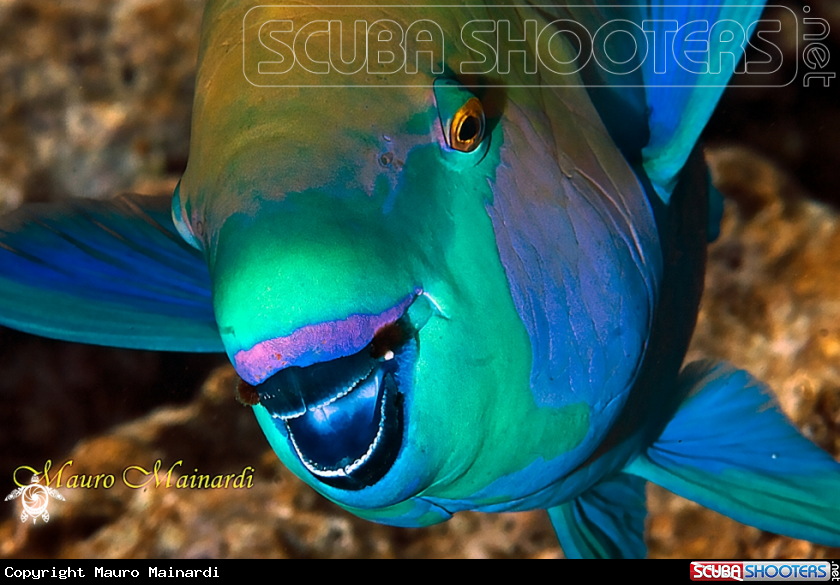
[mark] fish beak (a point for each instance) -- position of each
(345, 417)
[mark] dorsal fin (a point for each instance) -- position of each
(656, 104)
(680, 102)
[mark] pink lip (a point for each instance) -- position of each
(314, 343)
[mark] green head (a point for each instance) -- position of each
(358, 282)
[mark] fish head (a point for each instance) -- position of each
(365, 291)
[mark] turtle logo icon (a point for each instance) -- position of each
(35, 500)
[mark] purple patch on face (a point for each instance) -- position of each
(314, 343)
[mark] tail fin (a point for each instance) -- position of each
(731, 449)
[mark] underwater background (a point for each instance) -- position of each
(95, 99)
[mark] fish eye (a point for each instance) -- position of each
(462, 121)
(467, 127)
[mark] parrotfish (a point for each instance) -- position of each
(464, 282)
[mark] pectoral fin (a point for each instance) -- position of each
(606, 521)
(105, 272)
(731, 449)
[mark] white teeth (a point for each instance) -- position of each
(343, 393)
(389, 355)
(316, 469)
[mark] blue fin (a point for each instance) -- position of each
(681, 102)
(606, 521)
(105, 272)
(731, 449)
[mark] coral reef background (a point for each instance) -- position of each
(95, 99)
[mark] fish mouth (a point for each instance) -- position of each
(345, 417)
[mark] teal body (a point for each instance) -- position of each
(442, 291)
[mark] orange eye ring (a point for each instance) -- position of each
(467, 128)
